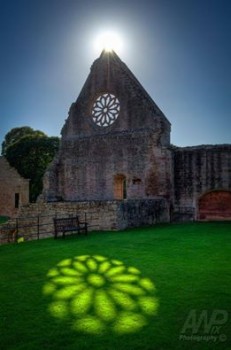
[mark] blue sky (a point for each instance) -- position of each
(180, 51)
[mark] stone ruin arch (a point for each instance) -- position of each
(215, 205)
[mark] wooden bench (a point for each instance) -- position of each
(71, 224)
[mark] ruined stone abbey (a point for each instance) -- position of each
(117, 166)
(116, 146)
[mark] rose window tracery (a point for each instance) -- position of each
(105, 110)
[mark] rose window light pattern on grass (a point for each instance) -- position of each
(97, 294)
(105, 110)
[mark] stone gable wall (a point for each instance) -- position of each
(137, 109)
(134, 147)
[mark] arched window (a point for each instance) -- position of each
(120, 188)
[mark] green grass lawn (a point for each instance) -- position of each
(119, 290)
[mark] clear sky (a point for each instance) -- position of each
(180, 51)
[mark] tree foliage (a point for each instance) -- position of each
(16, 134)
(30, 155)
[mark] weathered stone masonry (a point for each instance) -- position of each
(88, 166)
(101, 215)
(116, 163)
(136, 150)
(14, 190)
(134, 146)
(199, 170)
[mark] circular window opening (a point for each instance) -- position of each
(105, 110)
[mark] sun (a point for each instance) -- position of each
(108, 41)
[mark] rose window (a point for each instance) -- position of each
(105, 110)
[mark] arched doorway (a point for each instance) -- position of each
(120, 188)
(215, 205)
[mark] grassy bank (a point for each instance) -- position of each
(136, 289)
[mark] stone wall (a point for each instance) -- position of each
(198, 170)
(134, 213)
(14, 190)
(116, 145)
(137, 109)
(101, 215)
(85, 169)
(134, 146)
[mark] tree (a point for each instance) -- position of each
(30, 155)
(16, 134)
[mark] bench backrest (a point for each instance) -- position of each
(61, 223)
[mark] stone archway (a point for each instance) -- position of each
(215, 205)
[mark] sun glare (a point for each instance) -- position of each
(109, 41)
